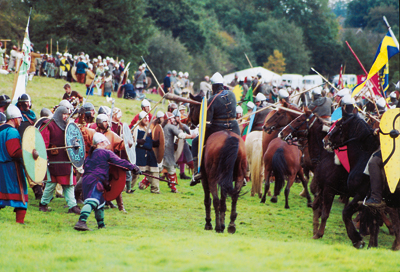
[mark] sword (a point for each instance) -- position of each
(151, 176)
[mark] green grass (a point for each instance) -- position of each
(166, 232)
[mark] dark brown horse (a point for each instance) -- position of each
(361, 144)
(224, 162)
(329, 179)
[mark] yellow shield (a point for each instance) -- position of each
(390, 146)
(202, 129)
(238, 91)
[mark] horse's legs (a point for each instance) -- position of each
(304, 182)
(266, 186)
(347, 213)
(232, 226)
(373, 227)
(316, 213)
(287, 189)
(387, 221)
(327, 200)
(216, 202)
(207, 204)
(222, 210)
(394, 216)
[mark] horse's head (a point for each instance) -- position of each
(280, 118)
(339, 135)
(299, 128)
(194, 109)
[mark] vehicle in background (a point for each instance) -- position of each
(292, 80)
(350, 80)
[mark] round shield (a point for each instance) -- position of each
(41, 121)
(117, 177)
(130, 151)
(75, 145)
(73, 73)
(34, 154)
(390, 143)
(157, 134)
(178, 151)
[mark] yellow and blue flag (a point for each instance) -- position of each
(386, 49)
(385, 78)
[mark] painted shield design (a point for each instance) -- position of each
(34, 154)
(75, 145)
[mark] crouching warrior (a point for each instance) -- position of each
(221, 114)
(95, 179)
(60, 166)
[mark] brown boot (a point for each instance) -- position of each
(75, 210)
(37, 189)
(43, 208)
(81, 226)
(120, 203)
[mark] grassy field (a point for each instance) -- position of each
(166, 232)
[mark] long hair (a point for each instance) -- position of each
(254, 158)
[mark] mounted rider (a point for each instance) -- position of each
(321, 106)
(259, 118)
(221, 114)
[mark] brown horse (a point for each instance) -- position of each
(224, 162)
(284, 161)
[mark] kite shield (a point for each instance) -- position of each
(202, 129)
(130, 151)
(158, 134)
(390, 146)
(117, 178)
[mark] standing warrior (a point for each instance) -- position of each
(13, 188)
(322, 106)
(95, 180)
(170, 132)
(60, 167)
(145, 157)
(221, 114)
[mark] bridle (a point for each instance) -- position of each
(342, 143)
(296, 130)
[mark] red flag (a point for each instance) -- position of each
(47, 47)
(340, 81)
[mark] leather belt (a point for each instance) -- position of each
(225, 120)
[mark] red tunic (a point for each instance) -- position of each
(53, 136)
(136, 119)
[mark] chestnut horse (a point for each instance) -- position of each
(224, 162)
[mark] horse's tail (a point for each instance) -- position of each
(255, 166)
(226, 164)
(280, 169)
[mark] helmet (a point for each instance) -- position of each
(250, 105)
(104, 110)
(13, 112)
(217, 79)
(173, 72)
(24, 98)
(3, 118)
(259, 75)
(343, 92)
(142, 114)
(180, 74)
(393, 95)
(172, 107)
(145, 103)
(99, 137)
(88, 107)
(58, 117)
(316, 91)
(283, 94)
(66, 104)
(168, 73)
(176, 113)
(182, 107)
(117, 112)
(381, 103)
(348, 100)
(239, 109)
(101, 118)
(4, 100)
(260, 97)
(186, 74)
(159, 114)
(45, 112)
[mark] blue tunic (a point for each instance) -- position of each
(96, 171)
(10, 193)
(144, 154)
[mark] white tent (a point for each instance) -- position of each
(267, 75)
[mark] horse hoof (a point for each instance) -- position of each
(274, 199)
(287, 207)
(208, 227)
(262, 200)
(395, 246)
(359, 245)
(231, 229)
(309, 204)
(317, 236)
(219, 231)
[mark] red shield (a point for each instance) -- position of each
(117, 182)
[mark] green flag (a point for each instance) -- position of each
(247, 98)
